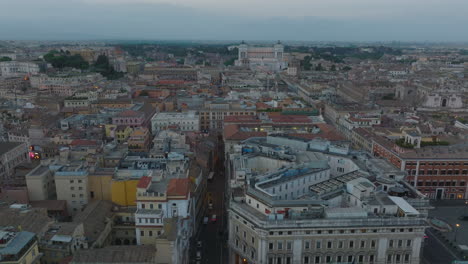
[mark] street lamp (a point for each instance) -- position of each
(457, 226)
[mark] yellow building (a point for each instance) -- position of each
(110, 130)
(122, 133)
(18, 248)
(124, 191)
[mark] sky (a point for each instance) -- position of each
(301, 20)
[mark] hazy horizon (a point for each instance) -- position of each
(260, 20)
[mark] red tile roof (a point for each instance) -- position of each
(144, 182)
(242, 119)
(290, 118)
(232, 132)
(178, 187)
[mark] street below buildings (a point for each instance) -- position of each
(435, 251)
(213, 235)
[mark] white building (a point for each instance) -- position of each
(271, 58)
(298, 212)
(443, 100)
(185, 121)
(17, 68)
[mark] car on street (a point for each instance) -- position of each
(205, 220)
(198, 256)
(199, 244)
(210, 204)
(213, 218)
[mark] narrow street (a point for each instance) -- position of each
(213, 235)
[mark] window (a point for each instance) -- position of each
(389, 258)
(391, 243)
(278, 260)
(91, 194)
(280, 245)
(306, 260)
(329, 244)
(319, 244)
(339, 259)
(253, 240)
(407, 256)
(340, 244)
(398, 258)
(288, 260)
(328, 259)
(307, 245)
(361, 258)
(270, 260)
(351, 244)
(408, 243)
(72, 181)
(245, 234)
(371, 258)
(317, 259)
(142, 233)
(363, 244)
(373, 244)
(270, 246)
(289, 245)
(237, 229)
(350, 258)
(72, 188)
(150, 233)
(400, 243)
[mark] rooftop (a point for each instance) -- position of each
(15, 242)
(116, 254)
(8, 146)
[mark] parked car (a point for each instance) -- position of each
(213, 218)
(210, 204)
(198, 257)
(199, 244)
(205, 220)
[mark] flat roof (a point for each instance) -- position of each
(17, 243)
(7, 146)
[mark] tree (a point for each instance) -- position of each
(230, 62)
(60, 59)
(319, 67)
(103, 67)
(346, 68)
(333, 68)
(306, 63)
(5, 59)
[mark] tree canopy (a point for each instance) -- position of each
(61, 59)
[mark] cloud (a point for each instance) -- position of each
(353, 20)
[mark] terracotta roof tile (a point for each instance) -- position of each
(144, 182)
(178, 187)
